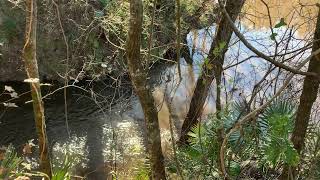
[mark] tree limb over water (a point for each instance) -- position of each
(261, 54)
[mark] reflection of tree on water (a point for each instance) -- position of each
(298, 13)
(94, 128)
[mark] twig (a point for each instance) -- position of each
(170, 100)
(259, 53)
(178, 24)
(67, 68)
(255, 113)
(151, 30)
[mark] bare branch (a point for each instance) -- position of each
(259, 53)
(254, 113)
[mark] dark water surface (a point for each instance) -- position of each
(107, 125)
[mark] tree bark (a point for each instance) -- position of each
(30, 60)
(307, 98)
(211, 69)
(139, 79)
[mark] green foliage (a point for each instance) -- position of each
(8, 29)
(104, 2)
(219, 49)
(142, 174)
(265, 138)
(279, 109)
(207, 64)
(273, 36)
(198, 159)
(9, 163)
(63, 170)
(234, 169)
(232, 115)
(13, 166)
(278, 25)
(202, 136)
(201, 156)
(216, 52)
(276, 123)
(281, 23)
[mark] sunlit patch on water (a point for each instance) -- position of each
(74, 147)
(115, 143)
(130, 138)
(122, 149)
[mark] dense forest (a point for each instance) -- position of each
(160, 89)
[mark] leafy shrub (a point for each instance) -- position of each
(9, 162)
(276, 124)
(264, 140)
(63, 171)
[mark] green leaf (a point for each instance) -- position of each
(104, 2)
(219, 49)
(281, 23)
(273, 36)
(273, 153)
(235, 168)
(193, 153)
(275, 125)
(291, 156)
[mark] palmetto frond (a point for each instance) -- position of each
(9, 162)
(277, 110)
(275, 125)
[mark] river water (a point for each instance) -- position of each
(104, 137)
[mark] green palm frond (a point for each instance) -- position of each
(197, 132)
(231, 116)
(275, 125)
(63, 171)
(278, 109)
(9, 163)
(234, 114)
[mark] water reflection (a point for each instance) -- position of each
(108, 140)
(300, 14)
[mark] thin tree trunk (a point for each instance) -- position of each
(307, 98)
(139, 79)
(210, 69)
(30, 60)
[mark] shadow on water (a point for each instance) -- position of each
(95, 152)
(89, 122)
(92, 124)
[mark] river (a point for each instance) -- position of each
(104, 136)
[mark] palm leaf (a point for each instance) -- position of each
(278, 109)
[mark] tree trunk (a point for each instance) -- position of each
(307, 98)
(30, 60)
(211, 69)
(139, 79)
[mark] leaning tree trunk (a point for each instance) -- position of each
(30, 60)
(139, 79)
(307, 98)
(211, 69)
